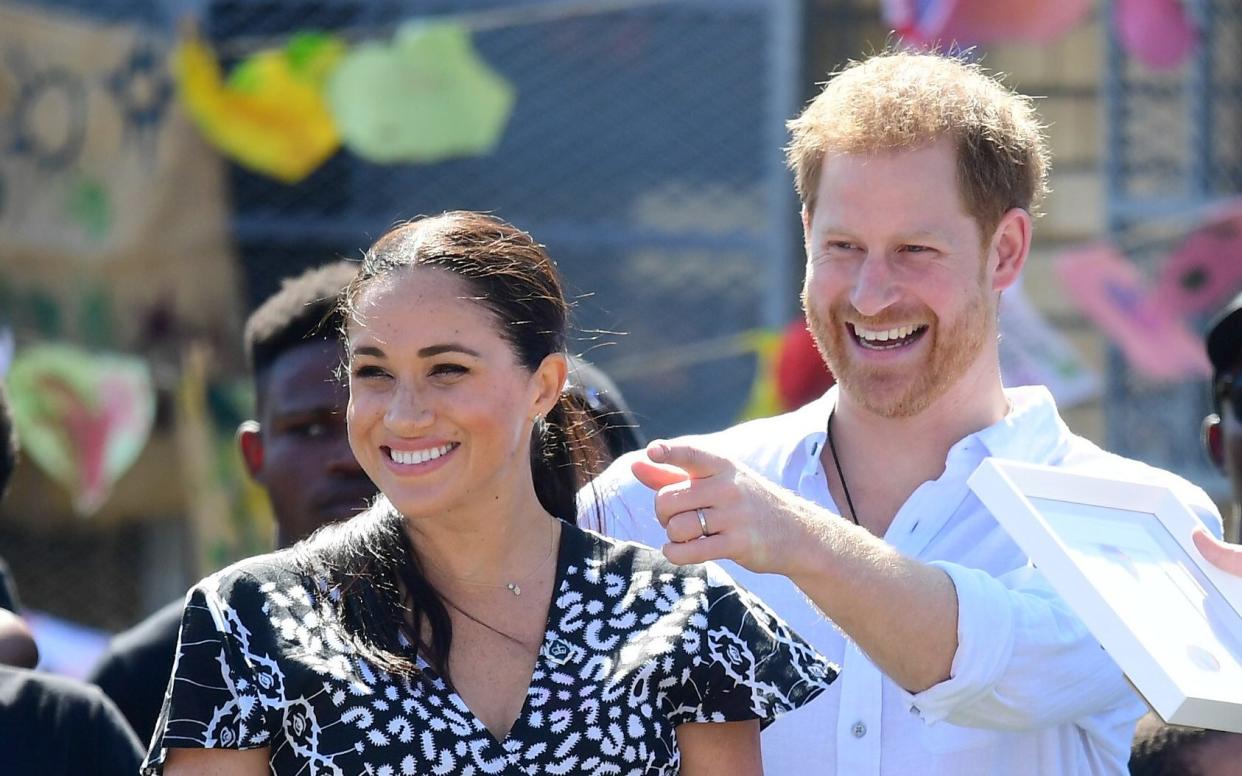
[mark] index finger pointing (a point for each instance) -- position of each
(695, 460)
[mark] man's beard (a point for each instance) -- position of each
(892, 391)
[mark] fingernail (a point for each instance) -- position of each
(657, 450)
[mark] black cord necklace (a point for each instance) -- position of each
(840, 474)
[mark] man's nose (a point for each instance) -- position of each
(875, 288)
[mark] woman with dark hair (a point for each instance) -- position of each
(463, 624)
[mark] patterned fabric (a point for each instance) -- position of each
(634, 647)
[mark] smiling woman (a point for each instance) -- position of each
(464, 624)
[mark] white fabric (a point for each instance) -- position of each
(1031, 691)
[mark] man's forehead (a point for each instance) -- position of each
(305, 377)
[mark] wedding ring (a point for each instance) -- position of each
(702, 522)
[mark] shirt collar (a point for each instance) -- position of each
(808, 433)
(1031, 430)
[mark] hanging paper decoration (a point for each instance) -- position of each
(763, 401)
(1032, 352)
(1158, 33)
(425, 97)
(1206, 269)
(801, 374)
(933, 22)
(81, 417)
(1111, 292)
(270, 116)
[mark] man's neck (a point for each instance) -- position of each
(885, 459)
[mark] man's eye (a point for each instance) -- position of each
(314, 430)
(917, 249)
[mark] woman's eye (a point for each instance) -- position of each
(448, 370)
(367, 370)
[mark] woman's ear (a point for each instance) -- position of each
(549, 377)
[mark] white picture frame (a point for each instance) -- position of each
(1120, 554)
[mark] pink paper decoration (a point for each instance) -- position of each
(1205, 271)
(1111, 292)
(1158, 33)
(928, 22)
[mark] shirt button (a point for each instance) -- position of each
(859, 730)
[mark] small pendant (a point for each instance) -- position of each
(513, 588)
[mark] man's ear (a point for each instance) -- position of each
(1011, 244)
(250, 442)
(1214, 440)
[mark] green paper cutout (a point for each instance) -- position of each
(425, 97)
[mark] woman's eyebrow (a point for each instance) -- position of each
(435, 350)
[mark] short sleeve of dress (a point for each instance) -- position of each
(226, 688)
(749, 663)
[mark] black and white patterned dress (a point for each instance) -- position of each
(634, 647)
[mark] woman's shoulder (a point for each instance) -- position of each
(258, 574)
(622, 556)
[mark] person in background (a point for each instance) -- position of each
(1161, 749)
(1172, 750)
(607, 408)
(852, 517)
(1222, 429)
(51, 725)
(463, 624)
(296, 448)
(17, 644)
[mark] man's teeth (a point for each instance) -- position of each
(873, 336)
(419, 456)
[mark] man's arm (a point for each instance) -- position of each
(899, 611)
(973, 649)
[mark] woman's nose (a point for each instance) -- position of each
(408, 412)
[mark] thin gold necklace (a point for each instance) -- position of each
(515, 586)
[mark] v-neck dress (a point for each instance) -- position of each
(634, 647)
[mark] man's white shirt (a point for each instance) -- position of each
(1030, 691)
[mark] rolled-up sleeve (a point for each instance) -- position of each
(1024, 660)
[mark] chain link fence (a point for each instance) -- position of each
(644, 149)
(1171, 155)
